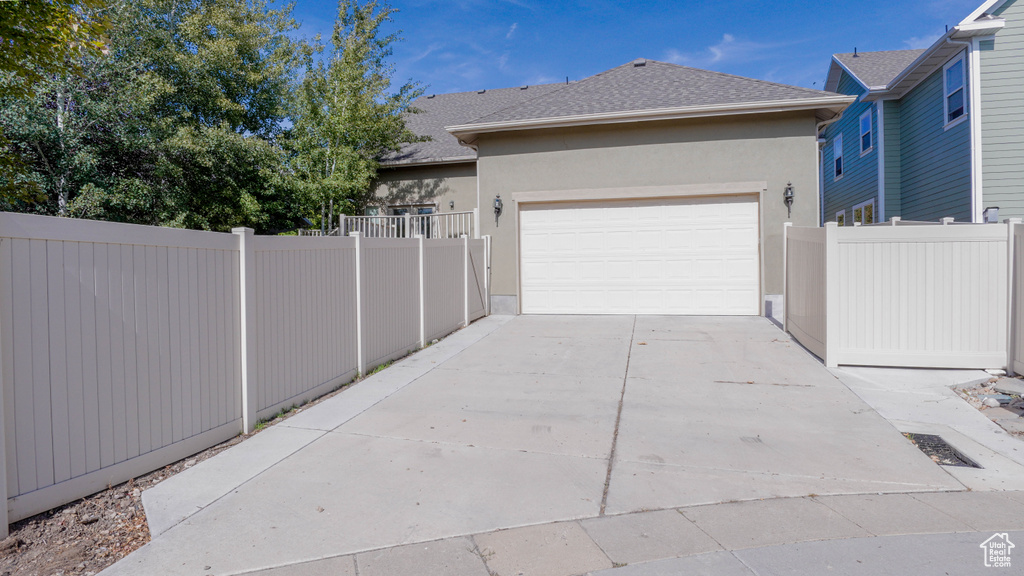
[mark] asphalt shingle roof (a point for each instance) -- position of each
(878, 68)
(438, 111)
(648, 85)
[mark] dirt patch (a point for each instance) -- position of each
(86, 536)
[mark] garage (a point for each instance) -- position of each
(680, 256)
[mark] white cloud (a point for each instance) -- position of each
(512, 30)
(921, 42)
(728, 50)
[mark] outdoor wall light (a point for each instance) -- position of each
(451, 205)
(497, 208)
(787, 198)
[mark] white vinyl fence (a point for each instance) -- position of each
(124, 348)
(436, 225)
(887, 295)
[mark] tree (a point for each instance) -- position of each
(346, 116)
(177, 124)
(45, 36)
(38, 37)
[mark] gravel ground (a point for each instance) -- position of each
(1008, 416)
(87, 535)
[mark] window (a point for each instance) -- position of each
(412, 210)
(837, 155)
(841, 217)
(955, 104)
(865, 133)
(864, 213)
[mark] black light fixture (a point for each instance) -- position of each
(451, 205)
(787, 198)
(497, 208)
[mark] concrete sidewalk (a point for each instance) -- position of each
(921, 534)
(516, 434)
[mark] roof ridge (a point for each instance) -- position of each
(521, 102)
(485, 90)
(860, 53)
(736, 76)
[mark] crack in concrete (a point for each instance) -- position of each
(618, 420)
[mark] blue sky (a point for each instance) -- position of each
(461, 45)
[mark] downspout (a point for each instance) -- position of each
(821, 164)
(973, 106)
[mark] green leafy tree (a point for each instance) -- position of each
(177, 124)
(40, 37)
(45, 36)
(347, 118)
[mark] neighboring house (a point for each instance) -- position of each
(649, 188)
(934, 133)
(428, 177)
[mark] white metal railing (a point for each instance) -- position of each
(432, 226)
(317, 232)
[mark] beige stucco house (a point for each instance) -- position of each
(649, 188)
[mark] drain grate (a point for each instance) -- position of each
(940, 451)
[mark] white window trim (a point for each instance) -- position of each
(861, 206)
(945, 95)
(841, 214)
(838, 140)
(871, 130)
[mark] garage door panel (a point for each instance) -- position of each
(697, 256)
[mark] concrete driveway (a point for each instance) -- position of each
(529, 420)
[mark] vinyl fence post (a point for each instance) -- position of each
(785, 277)
(360, 360)
(341, 224)
(1011, 293)
(475, 223)
(247, 330)
(465, 279)
(423, 310)
(4, 528)
(487, 273)
(406, 221)
(831, 295)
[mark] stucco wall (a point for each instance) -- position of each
(429, 184)
(771, 148)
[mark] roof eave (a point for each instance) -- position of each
(828, 82)
(828, 106)
(988, 6)
(900, 84)
(428, 161)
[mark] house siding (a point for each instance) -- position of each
(935, 164)
(1002, 129)
(893, 180)
(860, 172)
(438, 184)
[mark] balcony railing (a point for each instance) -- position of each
(440, 225)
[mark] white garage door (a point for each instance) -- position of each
(686, 256)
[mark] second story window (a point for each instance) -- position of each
(955, 77)
(865, 132)
(837, 155)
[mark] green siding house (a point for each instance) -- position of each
(934, 133)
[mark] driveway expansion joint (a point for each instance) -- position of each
(618, 420)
